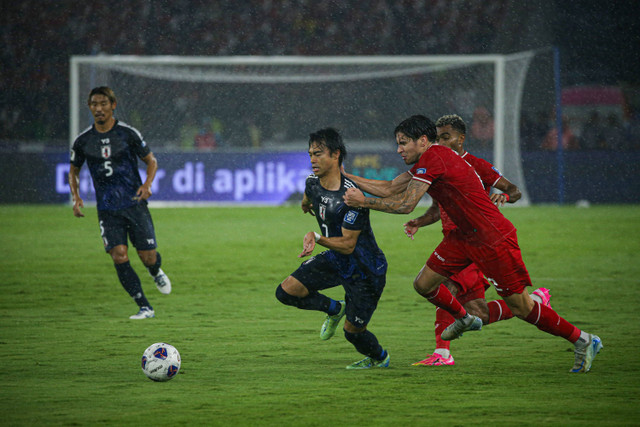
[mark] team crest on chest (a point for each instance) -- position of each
(106, 151)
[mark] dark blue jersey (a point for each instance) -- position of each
(332, 215)
(112, 158)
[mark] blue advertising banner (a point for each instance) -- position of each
(266, 178)
(274, 178)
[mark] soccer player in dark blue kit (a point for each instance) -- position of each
(111, 149)
(353, 258)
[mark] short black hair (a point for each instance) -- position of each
(416, 126)
(455, 121)
(103, 90)
(330, 138)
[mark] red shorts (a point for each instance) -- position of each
(471, 283)
(501, 263)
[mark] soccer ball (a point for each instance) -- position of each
(160, 361)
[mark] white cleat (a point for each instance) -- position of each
(144, 313)
(162, 282)
(585, 354)
(455, 330)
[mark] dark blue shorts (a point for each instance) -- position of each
(132, 223)
(361, 294)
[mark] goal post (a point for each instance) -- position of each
(284, 98)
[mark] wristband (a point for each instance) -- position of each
(506, 196)
(318, 236)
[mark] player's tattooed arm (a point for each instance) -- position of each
(402, 203)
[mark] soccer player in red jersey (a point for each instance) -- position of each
(469, 285)
(483, 236)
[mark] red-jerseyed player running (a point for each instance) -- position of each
(483, 236)
(468, 285)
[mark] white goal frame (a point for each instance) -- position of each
(506, 120)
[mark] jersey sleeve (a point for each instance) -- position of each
(429, 167)
(355, 219)
(308, 185)
(77, 157)
(489, 174)
(138, 144)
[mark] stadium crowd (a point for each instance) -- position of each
(39, 38)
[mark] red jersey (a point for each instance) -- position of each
(489, 176)
(456, 186)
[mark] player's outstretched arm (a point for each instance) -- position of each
(402, 203)
(510, 192)
(431, 216)
(382, 188)
(74, 180)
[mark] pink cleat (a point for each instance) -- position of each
(544, 294)
(435, 360)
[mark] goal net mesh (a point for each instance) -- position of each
(273, 103)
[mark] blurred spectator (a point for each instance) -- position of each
(188, 133)
(615, 138)
(34, 77)
(633, 130)
(205, 140)
(482, 130)
(533, 128)
(593, 133)
(569, 140)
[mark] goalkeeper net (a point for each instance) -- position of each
(273, 103)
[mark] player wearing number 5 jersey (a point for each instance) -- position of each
(353, 258)
(111, 150)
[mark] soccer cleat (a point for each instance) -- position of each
(331, 322)
(144, 313)
(162, 282)
(585, 355)
(436, 360)
(455, 330)
(368, 363)
(544, 294)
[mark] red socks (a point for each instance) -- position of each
(547, 320)
(442, 298)
(443, 319)
(499, 310)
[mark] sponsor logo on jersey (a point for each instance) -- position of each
(350, 217)
(421, 171)
(105, 141)
(323, 211)
(106, 151)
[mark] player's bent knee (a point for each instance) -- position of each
(284, 297)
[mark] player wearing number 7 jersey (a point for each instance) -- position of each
(111, 150)
(353, 258)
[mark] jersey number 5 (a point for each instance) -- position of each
(108, 168)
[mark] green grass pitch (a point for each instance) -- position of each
(71, 356)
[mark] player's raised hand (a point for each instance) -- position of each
(353, 197)
(308, 244)
(77, 205)
(411, 228)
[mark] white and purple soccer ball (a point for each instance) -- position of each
(161, 361)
